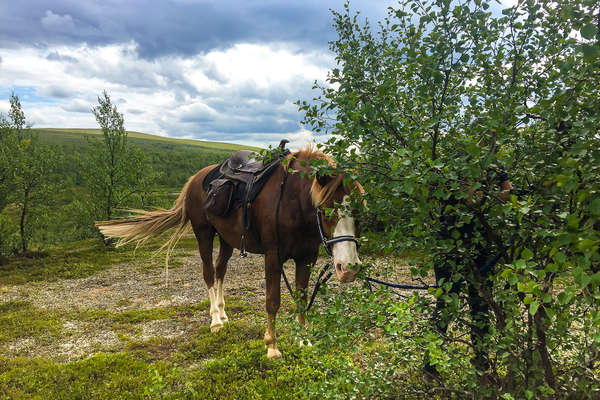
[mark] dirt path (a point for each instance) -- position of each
(131, 285)
(87, 308)
(81, 303)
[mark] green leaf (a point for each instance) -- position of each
(586, 244)
(526, 254)
(588, 31)
(560, 257)
(581, 278)
(595, 207)
(547, 298)
(539, 273)
(533, 307)
(595, 279)
(589, 50)
(564, 297)
(552, 268)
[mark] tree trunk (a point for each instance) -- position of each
(110, 193)
(22, 222)
(542, 347)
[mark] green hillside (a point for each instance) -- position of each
(175, 159)
(73, 136)
(67, 215)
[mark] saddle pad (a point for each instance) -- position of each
(214, 173)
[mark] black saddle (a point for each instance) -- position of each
(244, 161)
(238, 181)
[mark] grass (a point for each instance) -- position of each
(67, 261)
(19, 319)
(243, 374)
(72, 136)
(196, 364)
(229, 364)
(85, 258)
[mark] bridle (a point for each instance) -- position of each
(325, 274)
(327, 243)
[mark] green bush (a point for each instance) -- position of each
(427, 110)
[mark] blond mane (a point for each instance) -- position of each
(322, 194)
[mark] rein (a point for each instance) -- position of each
(488, 265)
(484, 268)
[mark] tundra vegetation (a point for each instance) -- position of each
(421, 106)
(117, 171)
(54, 183)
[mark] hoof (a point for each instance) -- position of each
(216, 327)
(273, 354)
(225, 319)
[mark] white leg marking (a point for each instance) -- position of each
(221, 301)
(216, 322)
(302, 342)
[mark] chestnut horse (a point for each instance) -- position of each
(295, 237)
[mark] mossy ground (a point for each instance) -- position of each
(142, 349)
(93, 322)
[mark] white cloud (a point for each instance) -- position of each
(242, 94)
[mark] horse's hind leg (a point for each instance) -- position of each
(225, 251)
(205, 236)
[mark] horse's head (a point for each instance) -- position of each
(339, 228)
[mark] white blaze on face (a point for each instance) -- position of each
(345, 253)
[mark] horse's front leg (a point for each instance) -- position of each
(302, 277)
(273, 298)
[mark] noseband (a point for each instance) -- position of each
(336, 239)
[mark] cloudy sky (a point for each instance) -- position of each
(222, 70)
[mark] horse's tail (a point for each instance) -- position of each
(145, 224)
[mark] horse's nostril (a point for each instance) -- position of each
(339, 266)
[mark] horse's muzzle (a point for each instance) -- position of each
(345, 274)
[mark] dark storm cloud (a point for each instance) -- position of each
(182, 27)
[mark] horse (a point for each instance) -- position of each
(287, 222)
